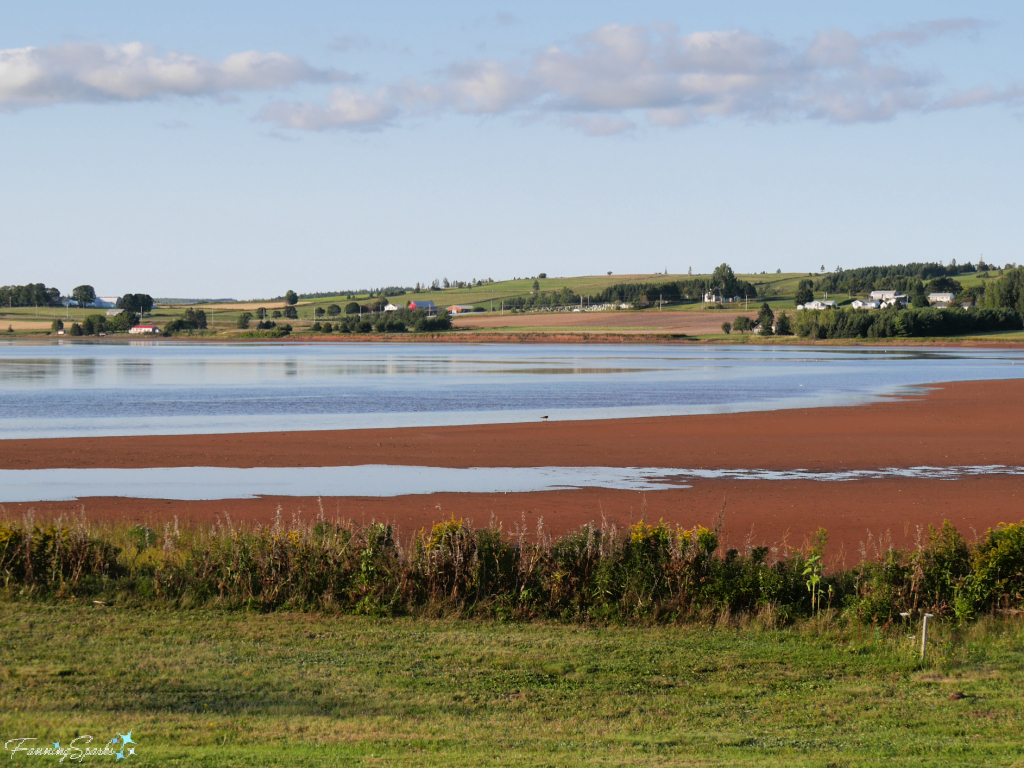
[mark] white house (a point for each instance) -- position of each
(391, 307)
(858, 304)
(888, 298)
(712, 298)
(114, 312)
(941, 298)
(818, 305)
(144, 329)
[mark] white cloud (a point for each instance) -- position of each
(605, 81)
(88, 72)
(345, 109)
(608, 81)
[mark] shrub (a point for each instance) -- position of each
(352, 308)
(243, 319)
(726, 327)
(333, 310)
(650, 572)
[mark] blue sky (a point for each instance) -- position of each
(240, 149)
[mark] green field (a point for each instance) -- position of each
(215, 688)
(779, 290)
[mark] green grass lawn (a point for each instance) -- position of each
(214, 688)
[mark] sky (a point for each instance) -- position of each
(196, 149)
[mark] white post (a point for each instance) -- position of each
(924, 637)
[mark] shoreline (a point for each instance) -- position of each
(581, 336)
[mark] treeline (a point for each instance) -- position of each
(94, 325)
(643, 573)
(31, 295)
(400, 321)
(722, 281)
(894, 277)
(1007, 291)
(893, 322)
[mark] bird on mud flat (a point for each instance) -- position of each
(543, 418)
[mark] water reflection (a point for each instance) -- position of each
(154, 387)
(375, 480)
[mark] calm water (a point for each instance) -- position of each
(139, 388)
(192, 483)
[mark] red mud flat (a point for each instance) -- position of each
(774, 513)
(972, 423)
(957, 424)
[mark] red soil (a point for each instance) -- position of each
(954, 424)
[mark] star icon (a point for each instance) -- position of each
(56, 745)
(127, 739)
(114, 740)
(131, 750)
(120, 755)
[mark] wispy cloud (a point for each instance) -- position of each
(614, 79)
(617, 76)
(89, 72)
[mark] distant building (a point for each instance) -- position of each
(858, 304)
(941, 298)
(426, 306)
(391, 308)
(459, 309)
(114, 312)
(818, 305)
(888, 298)
(144, 329)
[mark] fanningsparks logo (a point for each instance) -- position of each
(120, 747)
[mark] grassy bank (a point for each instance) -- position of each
(227, 688)
(330, 644)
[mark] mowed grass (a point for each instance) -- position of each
(205, 687)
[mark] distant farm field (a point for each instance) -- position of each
(689, 323)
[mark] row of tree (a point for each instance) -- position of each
(894, 322)
(31, 295)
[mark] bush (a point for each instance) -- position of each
(76, 330)
(726, 328)
(291, 313)
(243, 320)
(479, 309)
(742, 323)
(352, 308)
(784, 326)
(119, 323)
(333, 310)
(647, 572)
(57, 325)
